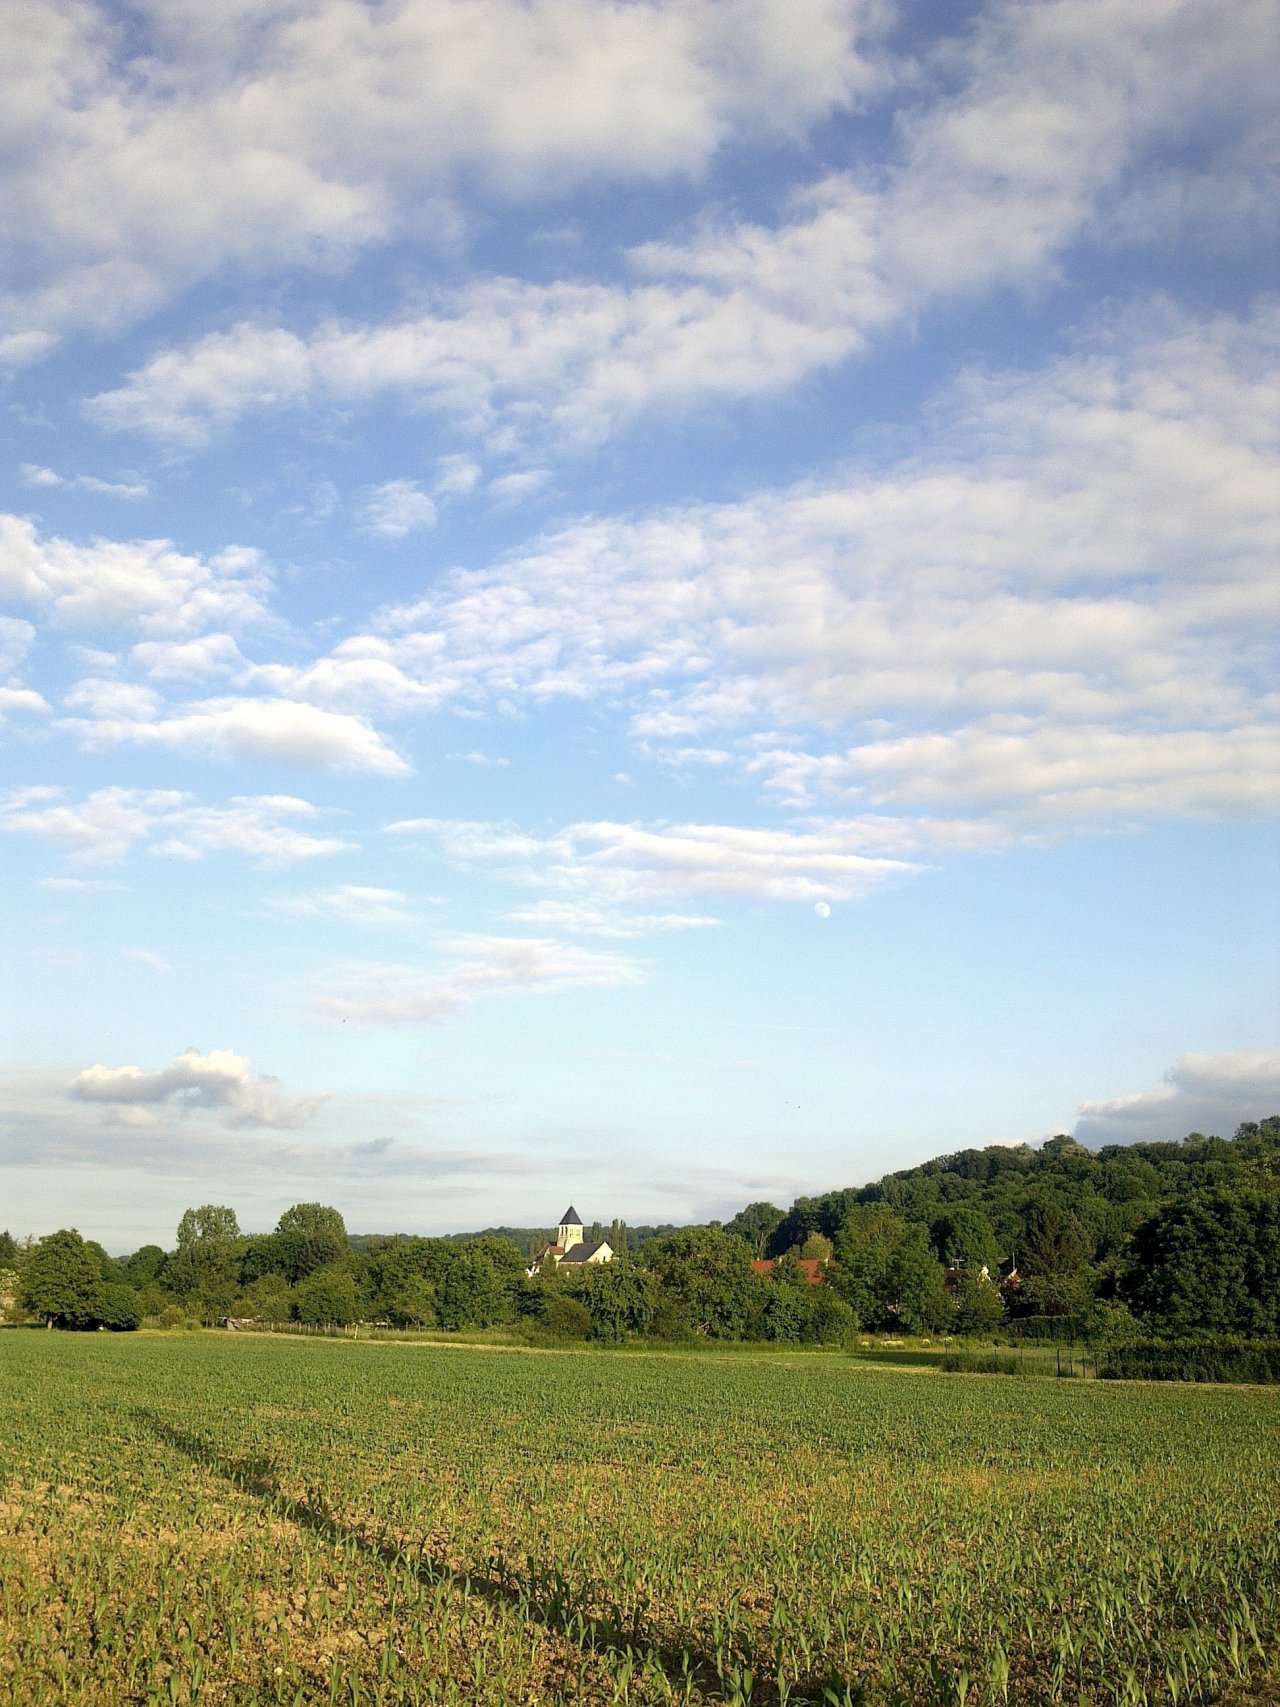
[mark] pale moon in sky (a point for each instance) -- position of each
(822, 909)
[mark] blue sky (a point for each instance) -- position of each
(659, 603)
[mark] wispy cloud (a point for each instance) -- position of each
(482, 967)
(354, 904)
(109, 823)
(628, 863)
(32, 474)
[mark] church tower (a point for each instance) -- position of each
(569, 1232)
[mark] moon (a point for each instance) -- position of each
(822, 909)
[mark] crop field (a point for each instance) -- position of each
(243, 1520)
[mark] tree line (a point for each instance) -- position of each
(1170, 1239)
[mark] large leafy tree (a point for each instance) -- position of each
(863, 1249)
(619, 1298)
(706, 1274)
(63, 1283)
(205, 1268)
(754, 1224)
(963, 1237)
(329, 1298)
(309, 1236)
(1209, 1262)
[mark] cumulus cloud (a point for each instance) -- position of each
(484, 967)
(271, 730)
(188, 660)
(1055, 106)
(146, 585)
(104, 827)
(1055, 610)
(15, 700)
(220, 1080)
(1200, 1093)
(276, 136)
(398, 507)
(16, 637)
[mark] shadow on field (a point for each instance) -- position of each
(543, 1597)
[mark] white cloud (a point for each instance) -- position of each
(295, 135)
(220, 1080)
(142, 584)
(32, 474)
(188, 660)
(585, 918)
(455, 477)
(626, 863)
(486, 966)
(261, 730)
(108, 824)
(1054, 106)
(20, 700)
(145, 957)
(354, 904)
(82, 885)
(396, 508)
(1055, 610)
(1200, 1093)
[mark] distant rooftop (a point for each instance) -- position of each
(571, 1218)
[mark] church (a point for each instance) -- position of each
(570, 1248)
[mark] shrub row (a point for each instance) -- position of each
(1224, 1359)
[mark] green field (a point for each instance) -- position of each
(247, 1520)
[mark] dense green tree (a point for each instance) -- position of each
(120, 1309)
(978, 1306)
(205, 1269)
(812, 1315)
(963, 1237)
(1209, 1262)
(565, 1316)
(754, 1224)
(864, 1246)
(619, 1298)
(475, 1292)
(145, 1266)
(706, 1274)
(328, 1298)
(1053, 1241)
(270, 1298)
(816, 1248)
(8, 1249)
(309, 1236)
(916, 1292)
(62, 1283)
(412, 1305)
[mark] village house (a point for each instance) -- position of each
(570, 1249)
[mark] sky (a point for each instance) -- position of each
(654, 603)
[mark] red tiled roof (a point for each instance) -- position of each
(810, 1267)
